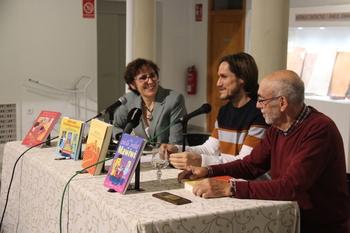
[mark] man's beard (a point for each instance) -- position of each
(270, 118)
(232, 95)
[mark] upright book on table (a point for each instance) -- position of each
(99, 138)
(41, 128)
(125, 161)
(70, 138)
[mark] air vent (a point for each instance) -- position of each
(8, 127)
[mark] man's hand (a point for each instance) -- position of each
(192, 173)
(185, 159)
(208, 188)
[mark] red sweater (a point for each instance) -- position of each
(307, 165)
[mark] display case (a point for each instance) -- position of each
(319, 52)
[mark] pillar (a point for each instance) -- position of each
(140, 29)
(269, 35)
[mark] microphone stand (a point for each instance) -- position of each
(91, 119)
(184, 135)
(111, 117)
(138, 167)
(137, 178)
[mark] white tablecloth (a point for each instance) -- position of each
(36, 194)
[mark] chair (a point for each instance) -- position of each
(195, 139)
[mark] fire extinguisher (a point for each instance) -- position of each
(191, 80)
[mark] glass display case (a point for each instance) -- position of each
(319, 51)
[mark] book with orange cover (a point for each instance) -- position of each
(41, 128)
(99, 138)
(188, 184)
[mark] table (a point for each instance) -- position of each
(37, 188)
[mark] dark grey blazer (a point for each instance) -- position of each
(169, 106)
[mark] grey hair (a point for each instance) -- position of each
(292, 88)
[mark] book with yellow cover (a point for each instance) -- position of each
(99, 138)
(70, 138)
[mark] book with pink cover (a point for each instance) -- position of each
(41, 128)
(99, 138)
(125, 161)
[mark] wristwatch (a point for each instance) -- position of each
(233, 187)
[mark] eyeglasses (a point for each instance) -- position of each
(144, 78)
(262, 101)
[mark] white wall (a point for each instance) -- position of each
(184, 44)
(48, 41)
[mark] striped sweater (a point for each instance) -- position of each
(237, 131)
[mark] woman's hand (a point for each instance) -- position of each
(170, 148)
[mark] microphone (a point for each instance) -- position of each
(205, 108)
(121, 101)
(133, 120)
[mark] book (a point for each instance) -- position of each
(70, 138)
(41, 128)
(124, 163)
(188, 184)
(99, 138)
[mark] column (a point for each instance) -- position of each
(140, 29)
(269, 35)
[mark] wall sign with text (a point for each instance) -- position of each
(338, 16)
(199, 12)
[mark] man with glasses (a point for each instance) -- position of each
(160, 107)
(304, 152)
(239, 125)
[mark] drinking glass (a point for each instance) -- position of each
(159, 160)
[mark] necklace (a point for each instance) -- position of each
(149, 115)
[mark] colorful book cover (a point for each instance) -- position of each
(41, 128)
(99, 138)
(70, 138)
(125, 161)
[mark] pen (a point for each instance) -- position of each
(63, 158)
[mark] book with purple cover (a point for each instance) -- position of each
(124, 163)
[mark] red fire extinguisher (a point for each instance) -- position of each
(191, 80)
